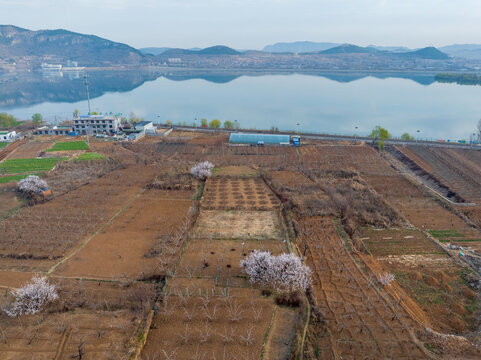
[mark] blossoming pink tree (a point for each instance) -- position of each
(32, 185)
(202, 170)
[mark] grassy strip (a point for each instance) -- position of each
(6, 179)
(459, 240)
(69, 145)
(444, 233)
(89, 156)
(3, 144)
(18, 166)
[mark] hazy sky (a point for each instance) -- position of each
(251, 24)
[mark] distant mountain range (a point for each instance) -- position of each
(468, 51)
(22, 49)
(62, 45)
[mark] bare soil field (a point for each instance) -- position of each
(47, 231)
(225, 193)
(361, 158)
(123, 248)
(213, 258)
(362, 321)
(236, 171)
(9, 199)
(4, 152)
(454, 168)
(91, 320)
(211, 327)
(126, 242)
(233, 224)
(383, 242)
(29, 150)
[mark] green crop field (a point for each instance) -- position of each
(90, 156)
(3, 144)
(69, 145)
(6, 179)
(18, 166)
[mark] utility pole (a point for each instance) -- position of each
(86, 83)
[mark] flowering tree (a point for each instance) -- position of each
(285, 272)
(290, 273)
(30, 298)
(202, 170)
(258, 267)
(32, 185)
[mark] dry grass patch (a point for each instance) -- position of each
(235, 224)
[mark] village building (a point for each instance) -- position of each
(96, 124)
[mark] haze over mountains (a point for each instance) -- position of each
(25, 49)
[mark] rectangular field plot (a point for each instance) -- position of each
(46, 232)
(30, 150)
(138, 242)
(222, 224)
(210, 327)
(224, 193)
(69, 145)
(18, 166)
(206, 257)
(360, 158)
(398, 242)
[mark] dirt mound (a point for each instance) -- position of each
(416, 275)
(431, 280)
(458, 309)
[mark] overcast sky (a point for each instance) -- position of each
(252, 24)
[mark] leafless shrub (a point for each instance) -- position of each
(235, 311)
(248, 338)
(386, 279)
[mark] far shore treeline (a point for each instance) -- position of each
(461, 79)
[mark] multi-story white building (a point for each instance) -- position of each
(96, 124)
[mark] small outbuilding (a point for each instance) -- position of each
(147, 126)
(259, 139)
(7, 136)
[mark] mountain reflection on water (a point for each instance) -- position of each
(19, 90)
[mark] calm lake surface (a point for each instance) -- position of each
(324, 103)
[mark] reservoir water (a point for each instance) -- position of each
(334, 103)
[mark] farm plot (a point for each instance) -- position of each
(139, 242)
(9, 148)
(8, 200)
(451, 168)
(362, 321)
(47, 231)
(69, 145)
(19, 166)
(360, 158)
(30, 150)
(418, 207)
(90, 319)
(222, 224)
(225, 193)
(210, 326)
(213, 258)
(433, 280)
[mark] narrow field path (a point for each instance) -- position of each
(363, 322)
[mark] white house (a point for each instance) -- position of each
(7, 136)
(147, 126)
